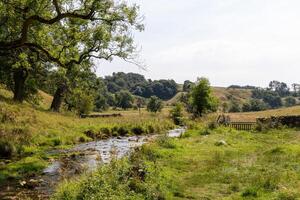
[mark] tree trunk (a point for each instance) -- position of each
(19, 76)
(58, 97)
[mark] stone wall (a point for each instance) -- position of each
(290, 121)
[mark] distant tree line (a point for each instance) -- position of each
(138, 85)
(276, 95)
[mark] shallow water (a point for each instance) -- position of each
(82, 158)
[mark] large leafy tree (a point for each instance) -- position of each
(202, 99)
(66, 33)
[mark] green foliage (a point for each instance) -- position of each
(234, 107)
(138, 85)
(193, 167)
(201, 99)
(166, 142)
(155, 104)
(176, 114)
(124, 99)
(280, 88)
(254, 105)
(35, 43)
(270, 97)
(187, 86)
(290, 101)
(131, 179)
(84, 103)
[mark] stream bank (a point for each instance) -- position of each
(75, 161)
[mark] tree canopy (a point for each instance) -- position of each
(201, 98)
(61, 35)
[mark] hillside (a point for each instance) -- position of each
(251, 116)
(226, 94)
(223, 94)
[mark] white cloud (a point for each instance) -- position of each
(229, 41)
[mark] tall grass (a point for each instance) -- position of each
(253, 165)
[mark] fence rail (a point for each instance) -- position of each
(242, 126)
(101, 115)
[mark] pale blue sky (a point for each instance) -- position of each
(228, 41)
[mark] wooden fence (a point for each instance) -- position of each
(242, 126)
(101, 115)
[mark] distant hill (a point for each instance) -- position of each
(227, 94)
(223, 94)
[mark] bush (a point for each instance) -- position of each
(137, 130)
(290, 101)
(235, 107)
(85, 104)
(155, 104)
(7, 149)
(105, 131)
(254, 105)
(122, 131)
(176, 114)
(56, 141)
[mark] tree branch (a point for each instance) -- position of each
(56, 7)
(36, 18)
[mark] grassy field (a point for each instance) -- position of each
(28, 132)
(203, 164)
(251, 116)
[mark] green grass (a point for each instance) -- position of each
(28, 132)
(250, 165)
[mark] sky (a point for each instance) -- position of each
(241, 42)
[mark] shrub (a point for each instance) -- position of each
(290, 101)
(235, 107)
(137, 130)
(56, 141)
(150, 129)
(122, 131)
(155, 104)
(254, 105)
(105, 131)
(176, 114)
(7, 149)
(81, 139)
(84, 104)
(124, 99)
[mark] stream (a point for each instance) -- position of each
(84, 157)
